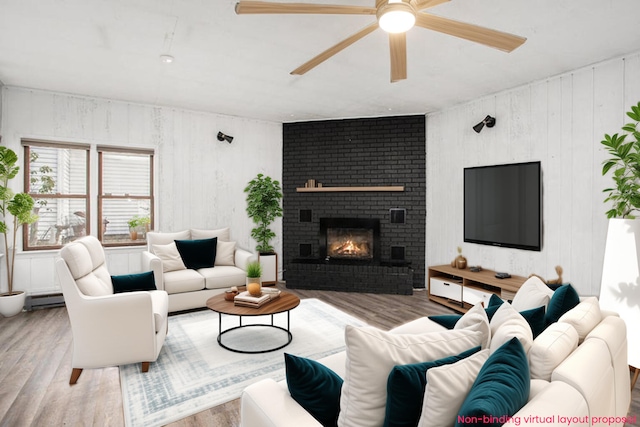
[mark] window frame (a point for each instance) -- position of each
(26, 144)
(102, 196)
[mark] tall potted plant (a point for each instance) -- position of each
(620, 269)
(625, 166)
(263, 207)
(20, 206)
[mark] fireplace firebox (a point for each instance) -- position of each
(350, 240)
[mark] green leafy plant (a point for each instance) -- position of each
(254, 269)
(19, 205)
(263, 207)
(139, 221)
(625, 166)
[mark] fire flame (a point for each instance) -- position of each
(351, 248)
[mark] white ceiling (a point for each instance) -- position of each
(239, 65)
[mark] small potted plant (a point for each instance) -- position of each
(138, 224)
(254, 271)
(20, 206)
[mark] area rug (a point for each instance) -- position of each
(193, 373)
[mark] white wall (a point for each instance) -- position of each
(199, 180)
(559, 121)
(1, 86)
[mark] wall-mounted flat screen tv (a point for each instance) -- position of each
(503, 205)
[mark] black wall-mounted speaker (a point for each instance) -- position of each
(397, 215)
(397, 253)
(305, 215)
(305, 250)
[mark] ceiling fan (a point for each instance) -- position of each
(395, 17)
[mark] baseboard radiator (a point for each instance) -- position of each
(35, 302)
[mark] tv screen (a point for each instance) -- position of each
(503, 205)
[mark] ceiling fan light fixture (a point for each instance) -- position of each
(396, 17)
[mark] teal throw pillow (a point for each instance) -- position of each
(405, 390)
(446, 320)
(449, 320)
(493, 305)
(494, 301)
(199, 253)
(535, 317)
(500, 390)
(491, 310)
(563, 299)
(133, 282)
(315, 387)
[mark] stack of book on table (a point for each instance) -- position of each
(245, 299)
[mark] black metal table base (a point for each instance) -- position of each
(221, 333)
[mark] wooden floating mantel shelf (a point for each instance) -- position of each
(345, 189)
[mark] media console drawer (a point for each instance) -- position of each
(445, 289)
(474, 296)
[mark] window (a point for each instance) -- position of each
(57, 177)
(125, 201)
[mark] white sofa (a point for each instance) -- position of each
(190, 288)
(578, 368)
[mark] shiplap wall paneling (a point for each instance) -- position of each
(199, 180)
(631, 81)
(580, 154)
(440, 184)
(559, 121)
(609, 93)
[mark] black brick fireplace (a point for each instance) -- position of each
(354, 204)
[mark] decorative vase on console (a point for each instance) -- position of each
(459, 262)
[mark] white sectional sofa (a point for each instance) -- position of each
(577, 368)
(190, 288)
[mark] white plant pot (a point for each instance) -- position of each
(621, 279)
(269, 264)
(10, 305)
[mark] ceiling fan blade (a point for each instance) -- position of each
(334, 49)
(398, 50)
(263, 7)
(425, 4)
(492, 38)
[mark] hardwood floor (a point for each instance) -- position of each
(35, 365)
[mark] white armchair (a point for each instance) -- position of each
(109, 329)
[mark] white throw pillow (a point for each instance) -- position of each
(584, 316)
(507, 323)
(158, 238)
(220, 233)
(447, 387)
(550, 348)
(532, 294)
(419, 326)
(225, 252)
(476, 319)
(170, 257)
(372, 353)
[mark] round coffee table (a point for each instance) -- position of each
(285, 303)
